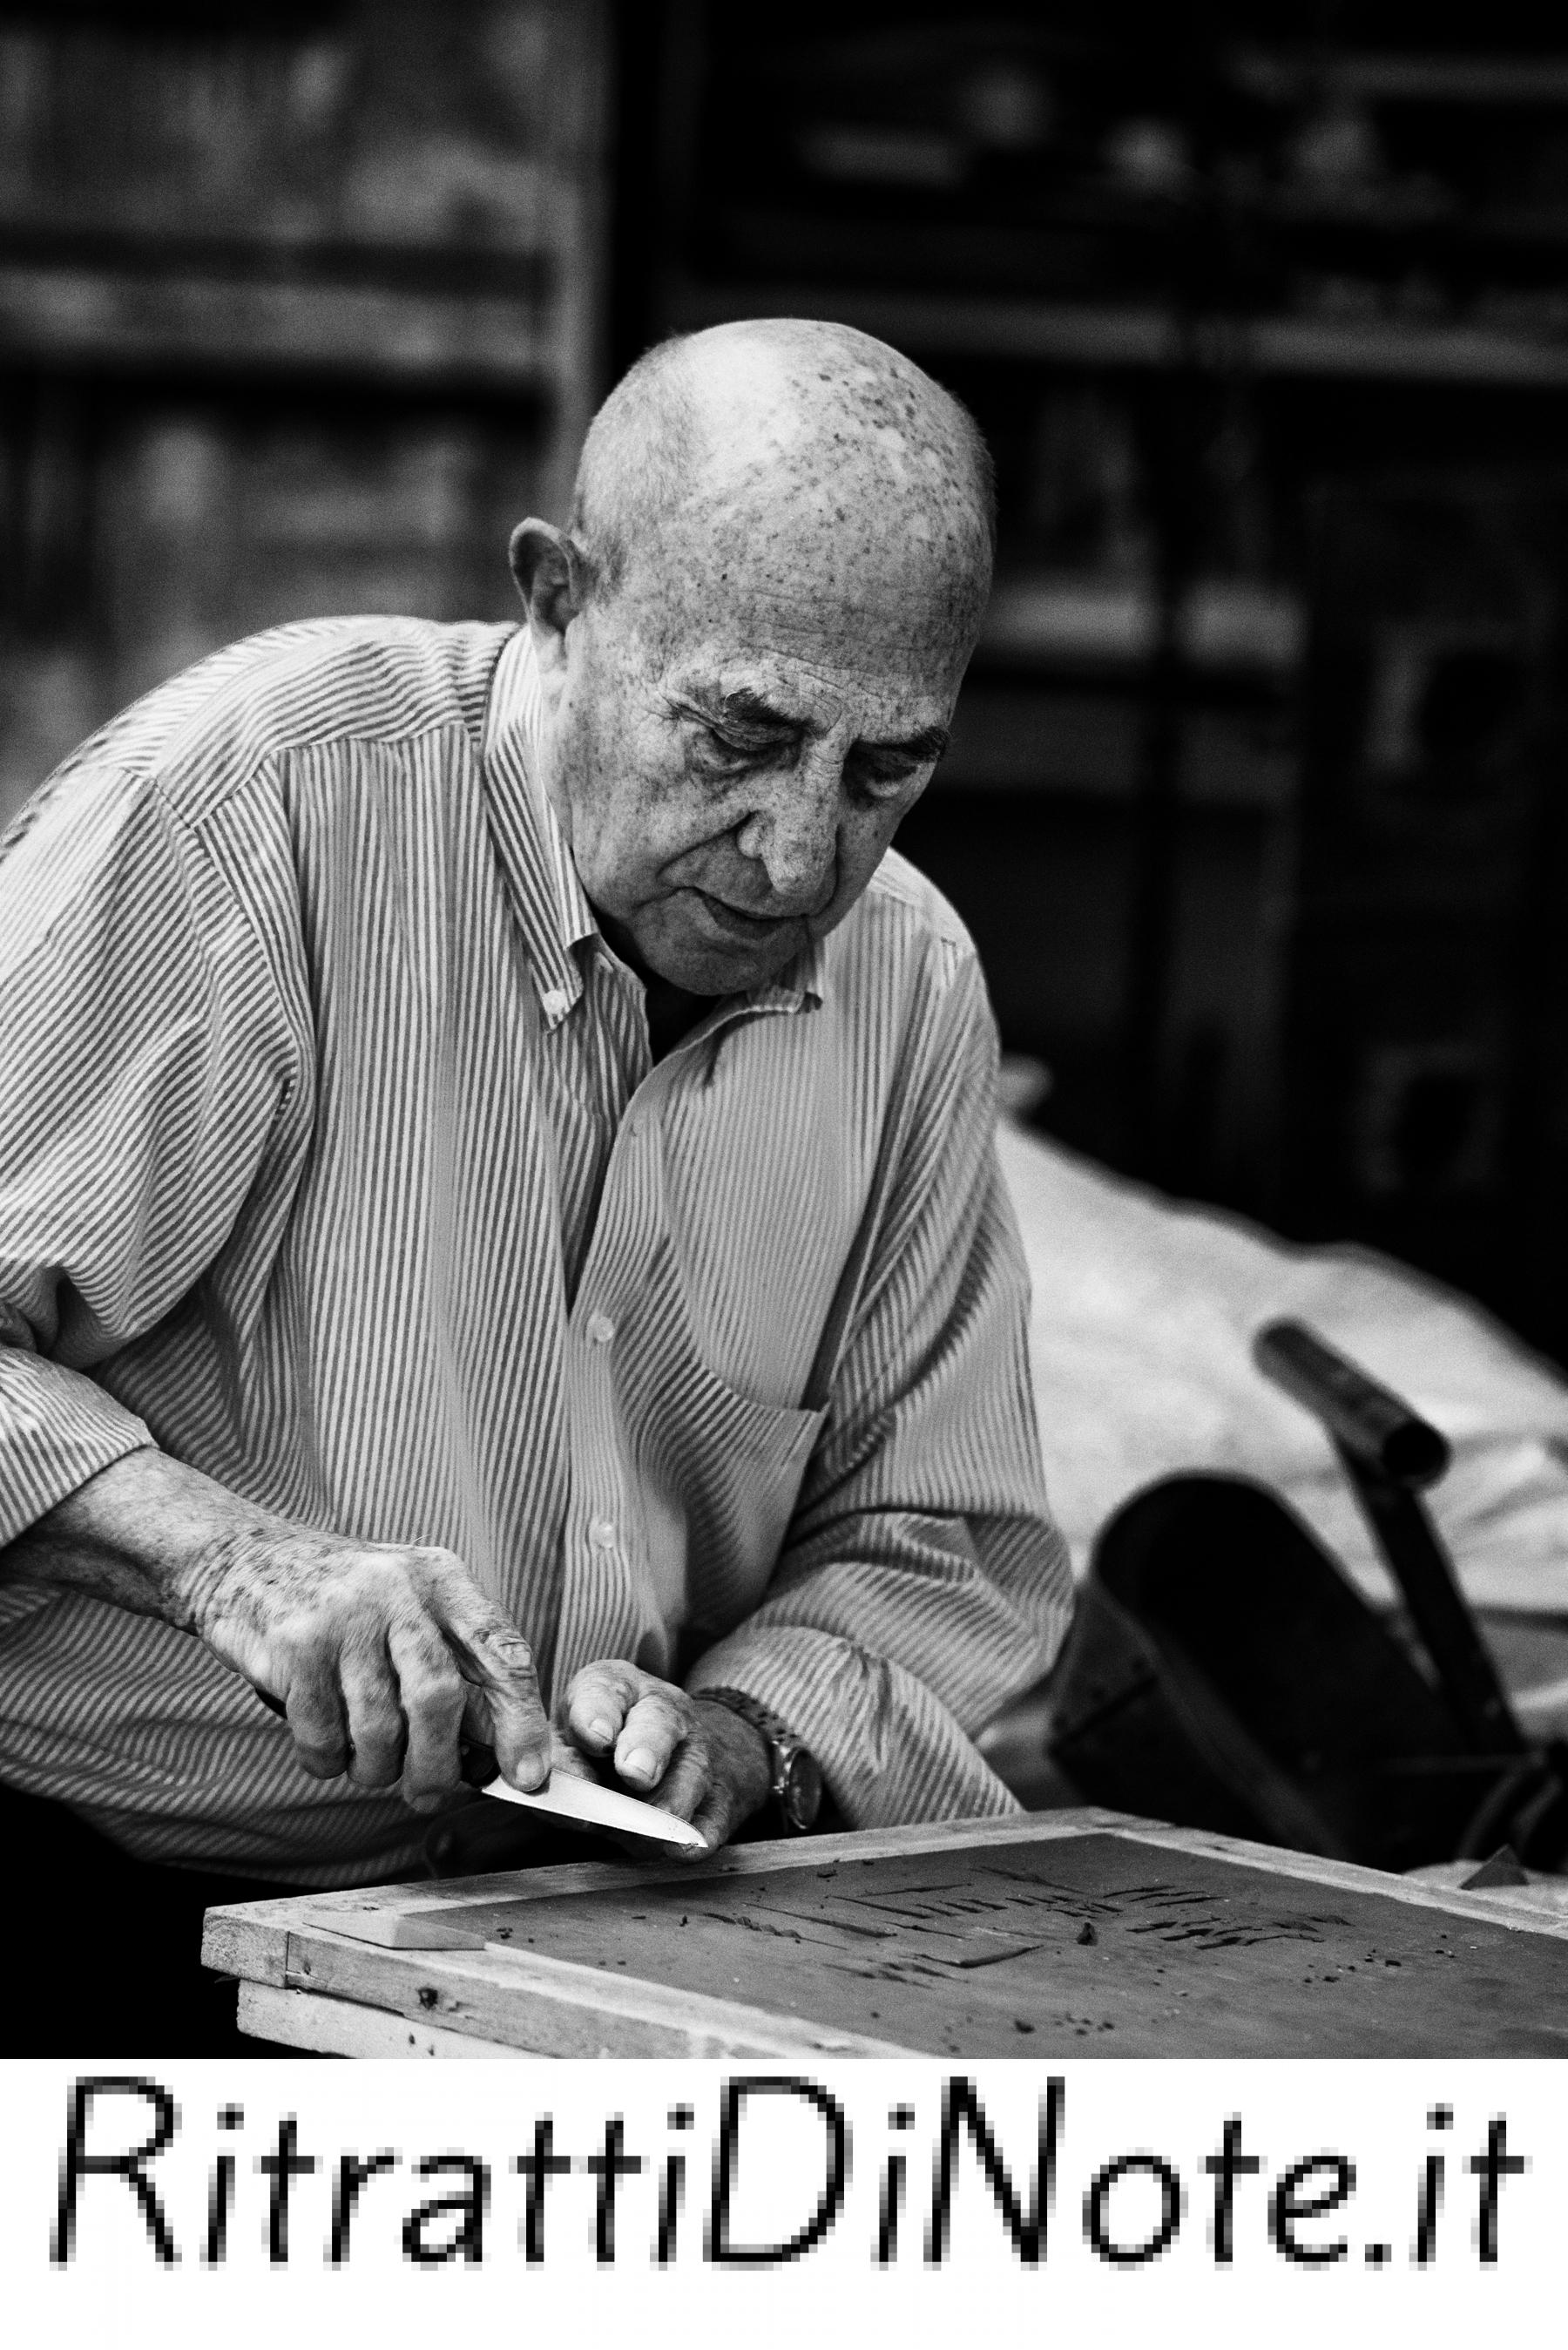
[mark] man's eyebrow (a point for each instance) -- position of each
(929, 743)
(743, 708)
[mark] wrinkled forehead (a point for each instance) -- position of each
(813, 567)
(852, 537)
(889, 638)
(810, 679)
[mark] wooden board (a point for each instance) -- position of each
(293, 2019)
(1068, 1935)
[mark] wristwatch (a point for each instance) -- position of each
(796, 1773)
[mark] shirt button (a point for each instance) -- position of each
(601, 1534)
(553, 1001)
(602, 1329)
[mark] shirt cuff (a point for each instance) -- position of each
(890, 1750)
(57, 1429)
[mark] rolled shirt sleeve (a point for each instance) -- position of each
(142, 1062)
(922, 1581)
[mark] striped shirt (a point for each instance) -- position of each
(333, 1159)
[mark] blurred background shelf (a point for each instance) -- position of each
(1074, 745)
(1072, 335)
(301, 306)
(1055, 619)
(244, 311)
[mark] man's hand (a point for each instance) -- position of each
(380, 1653)
(382, 1656)
(686, 1755)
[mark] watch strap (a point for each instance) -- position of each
(786, 1753)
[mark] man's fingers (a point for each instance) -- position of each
(315, 1715)
(377, 1731)
(521, 1728)
(658, 1723)
(478, 1727)
(600, 1698)
(685, 1785)
(433, 1698)
(649, 1727)
(497, 1660)
(716, 1816)
(569, 1761)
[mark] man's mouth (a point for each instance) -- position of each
(740, 924)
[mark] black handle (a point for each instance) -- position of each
(1389, 1452)
(1367, 1421)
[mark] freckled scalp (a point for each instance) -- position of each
(777, 453)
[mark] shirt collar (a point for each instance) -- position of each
(552, 910)
(799, 987)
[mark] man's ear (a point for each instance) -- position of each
(552, 580)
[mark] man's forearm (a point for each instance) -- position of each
(380, 1653)
(137, 1534)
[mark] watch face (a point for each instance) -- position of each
(800, 1795)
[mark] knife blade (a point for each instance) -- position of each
(567, 1797)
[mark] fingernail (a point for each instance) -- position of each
(638, 1765)
(601, 1730)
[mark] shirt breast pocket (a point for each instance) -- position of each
(720, 1473)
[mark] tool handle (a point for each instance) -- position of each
(1424, 1572)
(1389, 1452)
(1364, 1420)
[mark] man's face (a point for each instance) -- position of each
(731, 780)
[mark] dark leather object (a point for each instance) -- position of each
(1223, 1674)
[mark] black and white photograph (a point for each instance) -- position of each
(783, 1104)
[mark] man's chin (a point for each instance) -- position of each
(709, 967)
(709, 950)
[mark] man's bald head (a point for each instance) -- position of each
(751, 636)
(795, 438)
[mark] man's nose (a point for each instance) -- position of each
(795, 836)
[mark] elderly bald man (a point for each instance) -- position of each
(497, 1192)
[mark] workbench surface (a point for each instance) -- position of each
(1065, 1933)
